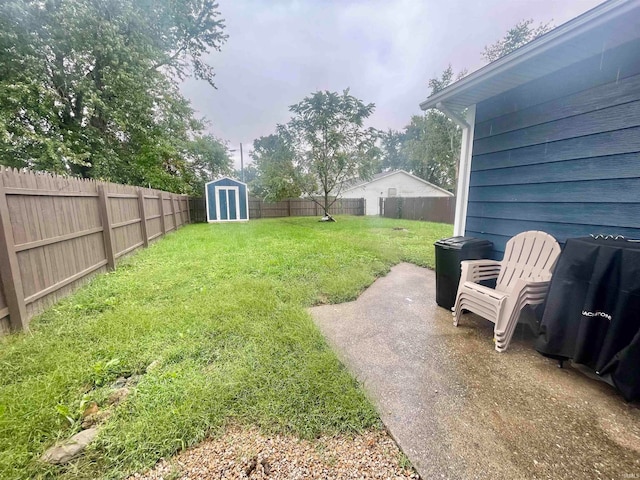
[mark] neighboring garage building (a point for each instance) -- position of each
(396, 183)
(551, 133)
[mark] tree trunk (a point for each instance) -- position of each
(327, 217)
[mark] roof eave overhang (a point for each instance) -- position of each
(544, 55)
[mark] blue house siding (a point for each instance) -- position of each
(212, 200)
(560, 154)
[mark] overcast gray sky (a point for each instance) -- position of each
(280, 51)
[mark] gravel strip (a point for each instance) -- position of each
(246, 453)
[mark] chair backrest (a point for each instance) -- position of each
(528, 254)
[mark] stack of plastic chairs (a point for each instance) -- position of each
(523, 278)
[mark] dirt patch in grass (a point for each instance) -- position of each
(246, 453)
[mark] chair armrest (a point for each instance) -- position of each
(478, 270)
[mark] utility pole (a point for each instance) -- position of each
(241, 165)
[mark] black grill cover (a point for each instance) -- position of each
(592, 314)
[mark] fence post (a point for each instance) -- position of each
(173, 210)
(289, 205)
(189, 209)
(10, 271)
(143, 217)
(105, 216)
(163, 225)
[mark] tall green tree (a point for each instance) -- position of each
(432, 146)
(517, 36)
(331, 143)
(210, 158)
(276, 175)
(392, 154)
(90, 87)
(432, 141)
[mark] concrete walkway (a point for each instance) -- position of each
(459, 409)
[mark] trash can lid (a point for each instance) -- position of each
(458, 243)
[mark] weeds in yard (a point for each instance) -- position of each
(220, 309)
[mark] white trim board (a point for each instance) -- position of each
(216, 189)
(224, 188)
(464, 172)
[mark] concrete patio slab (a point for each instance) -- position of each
(460, 410)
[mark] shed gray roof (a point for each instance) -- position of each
(608, 25)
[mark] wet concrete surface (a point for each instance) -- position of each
(461, 410)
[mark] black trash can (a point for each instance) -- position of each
(449, 253)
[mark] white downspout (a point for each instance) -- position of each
(464, 170)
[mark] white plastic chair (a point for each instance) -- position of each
(523, 278)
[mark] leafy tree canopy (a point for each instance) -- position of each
(429, 147)
(90, 87)
(275, 173)
(517, 36)
(209, 157)
(330, 143)
(432, 147)
(392, 153)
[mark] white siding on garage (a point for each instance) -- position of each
(398, 184)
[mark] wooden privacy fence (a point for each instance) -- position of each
(303, 207)
(429, 209)
(197, 209)
(293, 207)
(56, 231)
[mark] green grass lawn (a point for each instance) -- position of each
(222, 310)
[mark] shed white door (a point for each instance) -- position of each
(227, 203)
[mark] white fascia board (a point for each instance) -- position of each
(395, 172)
(464, 173)
(361, 185)
(427, 183)
(225, 178)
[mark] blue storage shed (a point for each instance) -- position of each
(227, 200)
(551, 133)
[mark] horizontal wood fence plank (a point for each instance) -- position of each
(127, 250)
(151, 217)
(47, 193)
(155, 236)
(4, 312)
(58, 239)
(121, 195)
(66, 281)
(125, 223)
